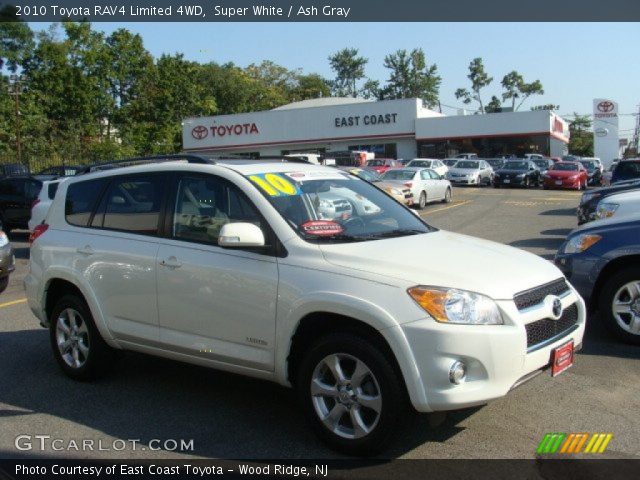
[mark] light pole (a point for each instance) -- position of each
(16, 88)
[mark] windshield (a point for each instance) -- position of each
(368, 175)
(375, 163)
(516, 166)
(495, 163)
(398, 174)
(420, 163)
(325, 206)
(450, 162)
(470, 165)
(589, 165)
(565, 167)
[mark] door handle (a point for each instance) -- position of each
(86, 250)
(171, 262)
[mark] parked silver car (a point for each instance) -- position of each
(426, 184)
(471, 172)
(7, 260)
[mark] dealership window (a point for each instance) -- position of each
(318, 151)
(381, 150)
(486, 147)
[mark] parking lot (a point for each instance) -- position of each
(229, 416)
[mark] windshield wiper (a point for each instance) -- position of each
(399, 232)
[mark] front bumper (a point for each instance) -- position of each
(496, 356)
(508, 181)
(463, 180)
(552, 183)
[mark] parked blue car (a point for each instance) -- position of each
(602, 261)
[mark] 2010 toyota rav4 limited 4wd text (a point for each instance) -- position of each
(300, 274)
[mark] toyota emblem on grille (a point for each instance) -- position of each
(554, 304)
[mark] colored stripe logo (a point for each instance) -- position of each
(574, 443)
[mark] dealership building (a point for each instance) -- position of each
(389, 128)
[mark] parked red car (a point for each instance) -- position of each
(566, 175)
(381, 165)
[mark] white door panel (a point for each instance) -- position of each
(218, 303)
(122, 273)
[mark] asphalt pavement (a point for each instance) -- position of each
(151, 401)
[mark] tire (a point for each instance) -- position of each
(525, 182)
(4, 283)
(615, 290)
(87, 355)
(386, 396)
(447, 196)
(422, 201)
(544, 187)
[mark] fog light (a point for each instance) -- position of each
(457, 373)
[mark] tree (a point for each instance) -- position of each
(479, 80)
(494, 105)
(310, 86)
(16, 39)
(516, 88)
(581, 136)
(349, 68)
(371, 90)
(411, 77)
(548, 106)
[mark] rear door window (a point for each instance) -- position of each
(132, 204)
(81, 201)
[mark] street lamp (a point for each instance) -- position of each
(16, 88)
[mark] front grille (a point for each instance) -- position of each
(542, 330)
(536, 295)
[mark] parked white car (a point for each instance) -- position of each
(620, 204)
(432, 163)
(425, 184)
(229, 265)
(471, 172)
(41, 205)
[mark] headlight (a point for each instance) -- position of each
(449, 305)
(4, 240)
(606, 210)
(580, 243)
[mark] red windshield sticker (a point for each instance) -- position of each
(321, 228)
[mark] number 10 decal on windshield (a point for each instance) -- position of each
(275, 185)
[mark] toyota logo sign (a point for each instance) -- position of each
(606, 106)
(199, 132)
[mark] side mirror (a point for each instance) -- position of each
(441, 177)
(240, 234)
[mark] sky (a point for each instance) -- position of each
(576, 62)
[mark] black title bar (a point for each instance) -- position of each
(324, 11)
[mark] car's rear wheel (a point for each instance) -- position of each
(77, 345)
(4, 283)
(422, 201)
(620, 304)
(351, 394)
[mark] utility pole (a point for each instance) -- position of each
(16, 88)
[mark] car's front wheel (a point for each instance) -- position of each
(351, 394)
(422, 201)
(447, 196)
(620, 304)
(77, 345)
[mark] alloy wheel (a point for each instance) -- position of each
(72, 337)
(626, 307)
(346, 396)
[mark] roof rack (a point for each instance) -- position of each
(128, 162)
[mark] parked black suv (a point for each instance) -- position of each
(13, 170)
(17, 194)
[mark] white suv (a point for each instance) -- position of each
(237, 265)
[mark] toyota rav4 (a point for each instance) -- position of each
(299, 274)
